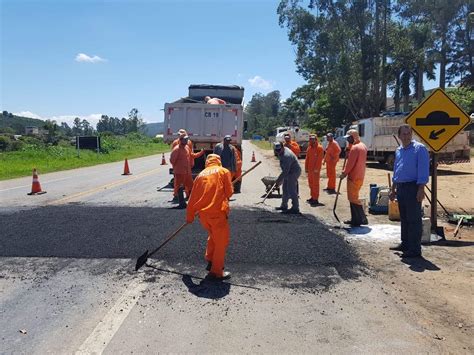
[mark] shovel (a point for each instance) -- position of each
(144, 257)
(268, 194)
(337, 192)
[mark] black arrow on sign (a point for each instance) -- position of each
(435, 135)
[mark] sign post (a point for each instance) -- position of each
(437, 120)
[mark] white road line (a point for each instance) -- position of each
(110, 324)
(43, 183)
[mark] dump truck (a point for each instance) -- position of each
(377, 133)
(206, 124)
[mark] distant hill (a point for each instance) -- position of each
(18, 123)
(152, 129)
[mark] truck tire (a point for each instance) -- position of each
(390, 161)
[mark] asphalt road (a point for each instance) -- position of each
(68, 285)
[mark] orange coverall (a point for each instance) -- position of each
(355, 171)
(294, 147)
(238, 165)
(312, 166)
(331, 158)
(182, 160)
(210, 199)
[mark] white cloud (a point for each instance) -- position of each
(28, 114)
(69, 119)
(260, 83)
(81, 57)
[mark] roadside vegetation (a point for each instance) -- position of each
(363, 58)
(266, 145)
(53, 147)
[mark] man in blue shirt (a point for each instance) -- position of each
(410, 175)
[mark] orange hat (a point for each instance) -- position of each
(213, 159)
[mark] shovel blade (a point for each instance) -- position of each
(141, 260)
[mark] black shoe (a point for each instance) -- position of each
(314, 203)
(408, 254)
(398, 247)
(209, 265)
(281, 208)
(347, 222)
(291, 211)
(331, 191)
(225, 276)
(175, 199)
(310, 200)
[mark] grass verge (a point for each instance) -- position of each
(263, 145)
(56, 158)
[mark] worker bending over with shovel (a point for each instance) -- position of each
(355, 172)
(290, 172)
(210, 200)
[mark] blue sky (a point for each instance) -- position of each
(62, 59)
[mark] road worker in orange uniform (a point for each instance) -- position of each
(331, 158)
(214, 101)
(355, 171)
(182, 160)
(182, 133)
(291, 145)
(210, 200)
(312, 166)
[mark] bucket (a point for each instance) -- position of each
(374, 191)
(393, 211)
(426, 234)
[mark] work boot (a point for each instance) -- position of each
(181, 199)
(281, 208)
(291, 211)
(225, 276)
(361, 217)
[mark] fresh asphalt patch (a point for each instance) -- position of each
(266, 248)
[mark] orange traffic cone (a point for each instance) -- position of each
(126, 170)
(36, 186)
(163, 161)
(253, 158)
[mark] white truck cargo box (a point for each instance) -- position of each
(204, 123)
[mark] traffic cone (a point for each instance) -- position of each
(253, 158)
(126, 170)
(163, 161)
(36, 186)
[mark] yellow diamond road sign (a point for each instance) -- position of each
(437, 120)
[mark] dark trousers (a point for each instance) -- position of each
(410, 217)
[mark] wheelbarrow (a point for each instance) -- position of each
(270, 186)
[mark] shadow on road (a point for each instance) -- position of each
(265, 248)
(206, 288)
(420, 264)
